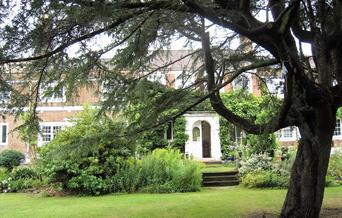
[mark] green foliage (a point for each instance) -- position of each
(256, 163)
(11, 158)
(162, 171)
(228, 144)
(28, 132)
(24, 173)
(265, 179)
(155, 138)
(335, 168)
(3, 173)
(166, 171)
(127, 179)
(20, 179)
(262, 144)
(82, 157)
(339, 113)
(255, 109)
(179, 135)
(22, 184)
(331, 181)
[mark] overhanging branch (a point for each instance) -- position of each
(221, 109)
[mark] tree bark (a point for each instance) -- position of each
(306, 189)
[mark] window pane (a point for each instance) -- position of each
(46, 133)
(46, 129)
(4, 134)
(56, 129)
(337, 130)
(46, 137)
(287, 132)
(196, 134)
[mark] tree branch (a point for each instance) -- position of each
(74, 41)
(220, 108)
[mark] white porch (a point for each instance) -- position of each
(203, 130)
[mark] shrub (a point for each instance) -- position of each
(155, 138)
(166, 171)
(3, 173)
(260, 144)
(162, 171)
(22, 184)
(20, 179)
(256, 163)
(331, 181)
(335, 167)
(265, 179)
(127, 179)
(24, 173)
(11, 158)
(83, 158)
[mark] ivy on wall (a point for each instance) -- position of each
(256, 109)
(156, 138)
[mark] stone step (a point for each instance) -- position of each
(212, 162)
(205, 174)
(220, 178)
(220, 183)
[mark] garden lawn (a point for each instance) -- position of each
(211, 202)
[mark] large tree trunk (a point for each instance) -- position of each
(306, 189)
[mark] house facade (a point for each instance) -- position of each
(202, 127)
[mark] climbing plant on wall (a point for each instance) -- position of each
(156, 138)
(254, 109)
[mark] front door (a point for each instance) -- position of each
(206, 139)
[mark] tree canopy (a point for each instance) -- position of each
(65, 41)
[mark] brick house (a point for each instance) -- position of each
(202, 127)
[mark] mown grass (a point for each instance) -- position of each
(211, 202)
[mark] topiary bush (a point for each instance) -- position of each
(11, 158)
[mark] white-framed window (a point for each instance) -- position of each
(50, 93)
(49, 130)
(337, 131)
(287, 134)
(196, 134)
(3, 133)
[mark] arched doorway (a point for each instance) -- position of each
(206, 139)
